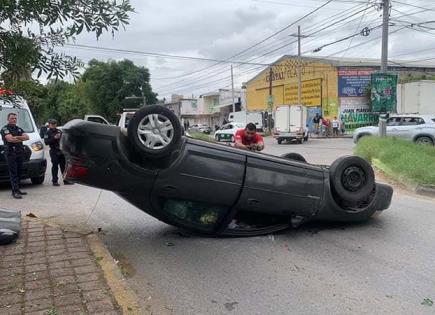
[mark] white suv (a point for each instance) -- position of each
(414, 127)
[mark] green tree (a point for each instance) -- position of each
(108, 84)
(25, 48)
(64, 101)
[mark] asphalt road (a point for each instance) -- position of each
(384, 266)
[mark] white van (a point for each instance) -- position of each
(35, 162)
(290, 123)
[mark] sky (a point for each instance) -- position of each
(220, 29)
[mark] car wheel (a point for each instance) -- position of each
(424, 140)
(37, 180)
(155, 131)
(279, 140)
(294, 157)
(352, 178)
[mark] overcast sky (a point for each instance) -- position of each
(220, 29)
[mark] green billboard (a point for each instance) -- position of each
(383, 92)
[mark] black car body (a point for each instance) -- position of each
(208, 187)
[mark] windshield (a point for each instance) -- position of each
(23, 118)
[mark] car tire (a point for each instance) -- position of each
(279, 140)
(294, 157)
(155, 131)
(424, 140)
(37, 180)
(352, 178)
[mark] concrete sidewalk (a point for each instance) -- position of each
(49, 271)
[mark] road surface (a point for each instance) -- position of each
(384, 266)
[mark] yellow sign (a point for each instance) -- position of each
(311, 91)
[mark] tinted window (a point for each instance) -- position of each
(394, 121)
(410, 121)
(23, 118)
(96, 119)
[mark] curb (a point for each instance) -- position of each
(423, 190)
(428, 191)
(125, 297)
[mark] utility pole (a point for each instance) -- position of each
(385, 22)
(270, 102)
(232, 88)
(299, 67)
(384, 57)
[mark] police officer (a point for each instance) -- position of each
(13, 137)
(52, 138)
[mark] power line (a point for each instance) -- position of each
(159, 54)
(276, 33)
(287, 44)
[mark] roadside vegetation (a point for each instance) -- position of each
(201, 136)
(402, 160)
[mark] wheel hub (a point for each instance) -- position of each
(353, 178)
(155, 131)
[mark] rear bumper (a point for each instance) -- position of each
(288, 135)
(31, 168)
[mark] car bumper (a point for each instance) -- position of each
(288, 135)
(31, 168)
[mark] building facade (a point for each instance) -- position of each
(330, 87)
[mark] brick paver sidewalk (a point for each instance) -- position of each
(49, 271)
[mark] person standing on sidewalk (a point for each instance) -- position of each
(335, 126)
(13, 137)
(316, 122)
(52, 138)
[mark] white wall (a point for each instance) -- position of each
(416, 97)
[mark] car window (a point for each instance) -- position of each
(198, 214)
(96, 120)
(23, 118)
(394, 121)
(411, 121)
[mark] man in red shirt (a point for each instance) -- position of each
(248, 139)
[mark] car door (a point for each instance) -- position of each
(282, 187)
(393, 124)
(409, 127)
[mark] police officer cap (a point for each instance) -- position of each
(52, 121)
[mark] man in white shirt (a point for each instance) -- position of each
(335, 126)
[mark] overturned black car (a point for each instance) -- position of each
(212, 188)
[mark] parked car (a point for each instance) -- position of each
(413, 127)
(212, 188)
(228, 131)
(35, 162)
(202, 128)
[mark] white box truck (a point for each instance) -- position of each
(247, 117)
(290, 123)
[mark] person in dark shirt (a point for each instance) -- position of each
(52, 138)
(13, 137)
(316, 122)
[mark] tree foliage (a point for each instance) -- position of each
(30, 31)
(111, 86)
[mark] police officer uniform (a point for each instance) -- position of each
(14, 155)
(56, 155)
